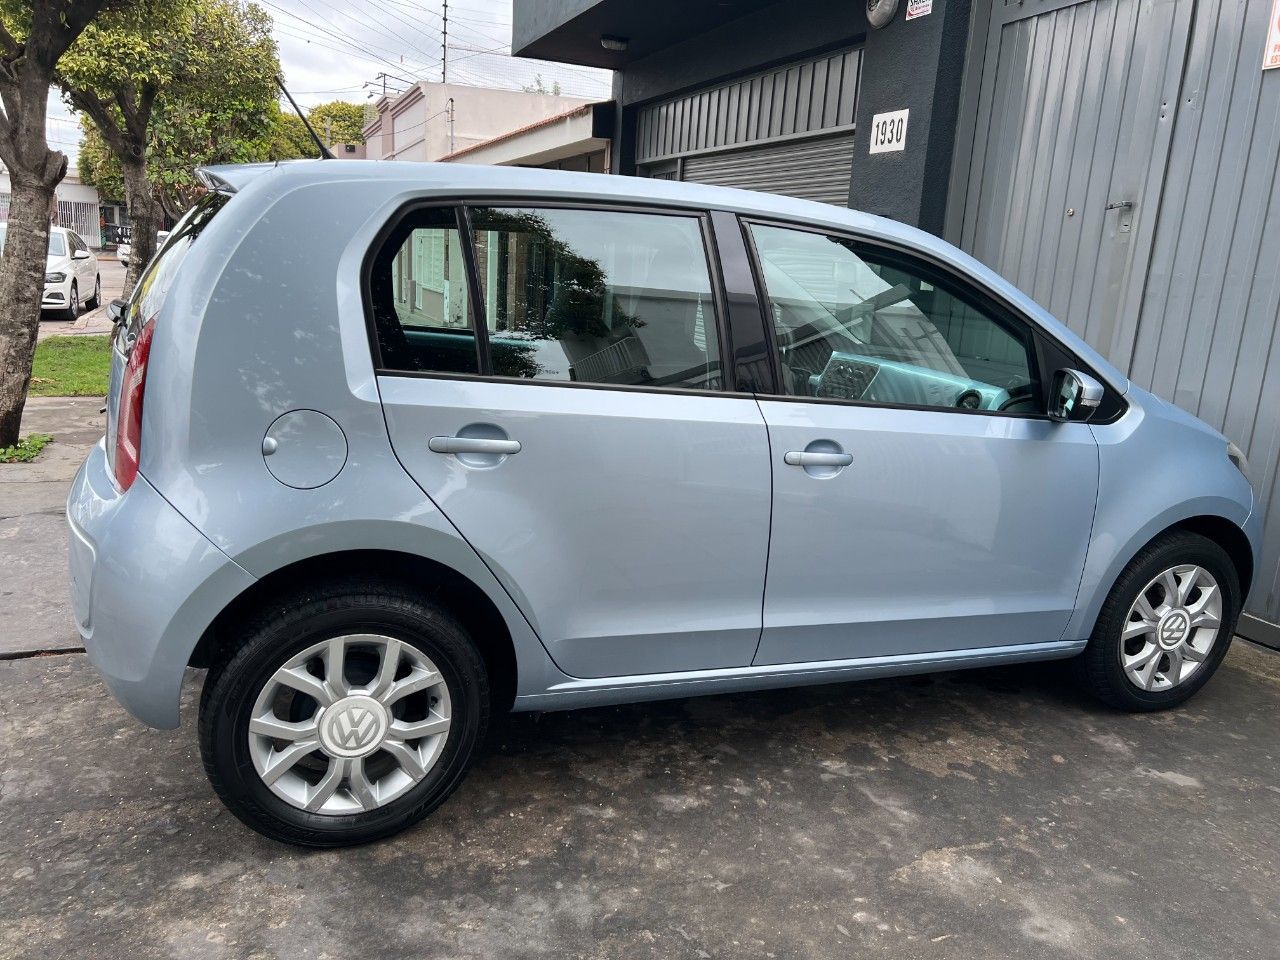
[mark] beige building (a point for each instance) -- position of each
(432, 120)
(577, 139)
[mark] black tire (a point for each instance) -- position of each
(73, 303)
(1100, 665)
(96, 300)
(296, 621)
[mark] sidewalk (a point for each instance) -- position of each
(34, 593)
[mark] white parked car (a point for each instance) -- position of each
(70, 270)
(125, 250)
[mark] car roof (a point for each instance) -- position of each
(459, 178)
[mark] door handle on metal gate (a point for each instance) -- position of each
(808, 458)
(473, 445)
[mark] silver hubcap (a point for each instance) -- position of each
(1171, 628)
(349, 724)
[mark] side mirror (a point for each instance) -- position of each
(80, 255)
(116, 309)
(1074, 396)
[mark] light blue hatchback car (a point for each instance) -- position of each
(394, 446)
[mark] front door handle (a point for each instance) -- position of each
(814, 458)
(473, 445)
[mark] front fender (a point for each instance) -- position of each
(1158, 467)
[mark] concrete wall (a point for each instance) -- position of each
(415, 126)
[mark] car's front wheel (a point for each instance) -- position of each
(348, 713)
(1166, 625)
(73, 303)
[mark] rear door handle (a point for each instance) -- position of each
(808, 458)
(473, 445)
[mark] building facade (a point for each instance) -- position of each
(1117, 159)
(432, 120)
(578, 139)
(76, 207)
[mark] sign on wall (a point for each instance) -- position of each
(1271, 56)
(919, 8)
(889, 131)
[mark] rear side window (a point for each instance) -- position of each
(566, 295)
(597, 296)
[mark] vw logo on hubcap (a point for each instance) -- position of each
(353, 727)
(1174, 628)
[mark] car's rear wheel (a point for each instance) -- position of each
(348, 713)
(96, 300)
(1165, 626)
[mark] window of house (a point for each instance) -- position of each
(855, 322)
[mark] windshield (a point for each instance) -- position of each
(57, 241)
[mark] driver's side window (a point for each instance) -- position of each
(858, 323)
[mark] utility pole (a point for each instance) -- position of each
(451, 124)
(444, 60)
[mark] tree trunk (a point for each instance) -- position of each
(21, 287)
(144, 219)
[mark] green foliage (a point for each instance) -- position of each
(26, 449)
(345, 121)
(192, 79)
(77, 366)
(540, 86)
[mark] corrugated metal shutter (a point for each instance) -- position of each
(814, 168)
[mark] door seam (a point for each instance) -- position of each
(768, 547)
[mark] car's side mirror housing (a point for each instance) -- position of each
(1074, 396)
(116, 309)
(80, 255)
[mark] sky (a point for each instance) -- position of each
(334, 50)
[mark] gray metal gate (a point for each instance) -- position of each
(785, 130)
(815, 168)
(1124, 172)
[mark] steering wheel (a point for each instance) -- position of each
(1017, 395)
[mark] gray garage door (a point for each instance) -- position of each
(1124, 172)
(812, 169)
(785, 130)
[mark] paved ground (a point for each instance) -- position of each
(35, 606)
(993, 813)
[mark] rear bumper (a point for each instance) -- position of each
(145, 584)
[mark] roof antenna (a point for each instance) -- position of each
(324, 151)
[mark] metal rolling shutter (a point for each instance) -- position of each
(813, 168)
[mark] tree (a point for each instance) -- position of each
(540, 86)
(175, 151)
(167, 85)
(33, 38)
(338, 122)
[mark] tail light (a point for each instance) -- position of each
(129, 416)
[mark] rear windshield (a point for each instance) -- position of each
(156, 280)
(57, 246)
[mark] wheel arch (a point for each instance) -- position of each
(458, 593)
(1220, 529)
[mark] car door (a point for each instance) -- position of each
(922, 501)
(562, 404)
